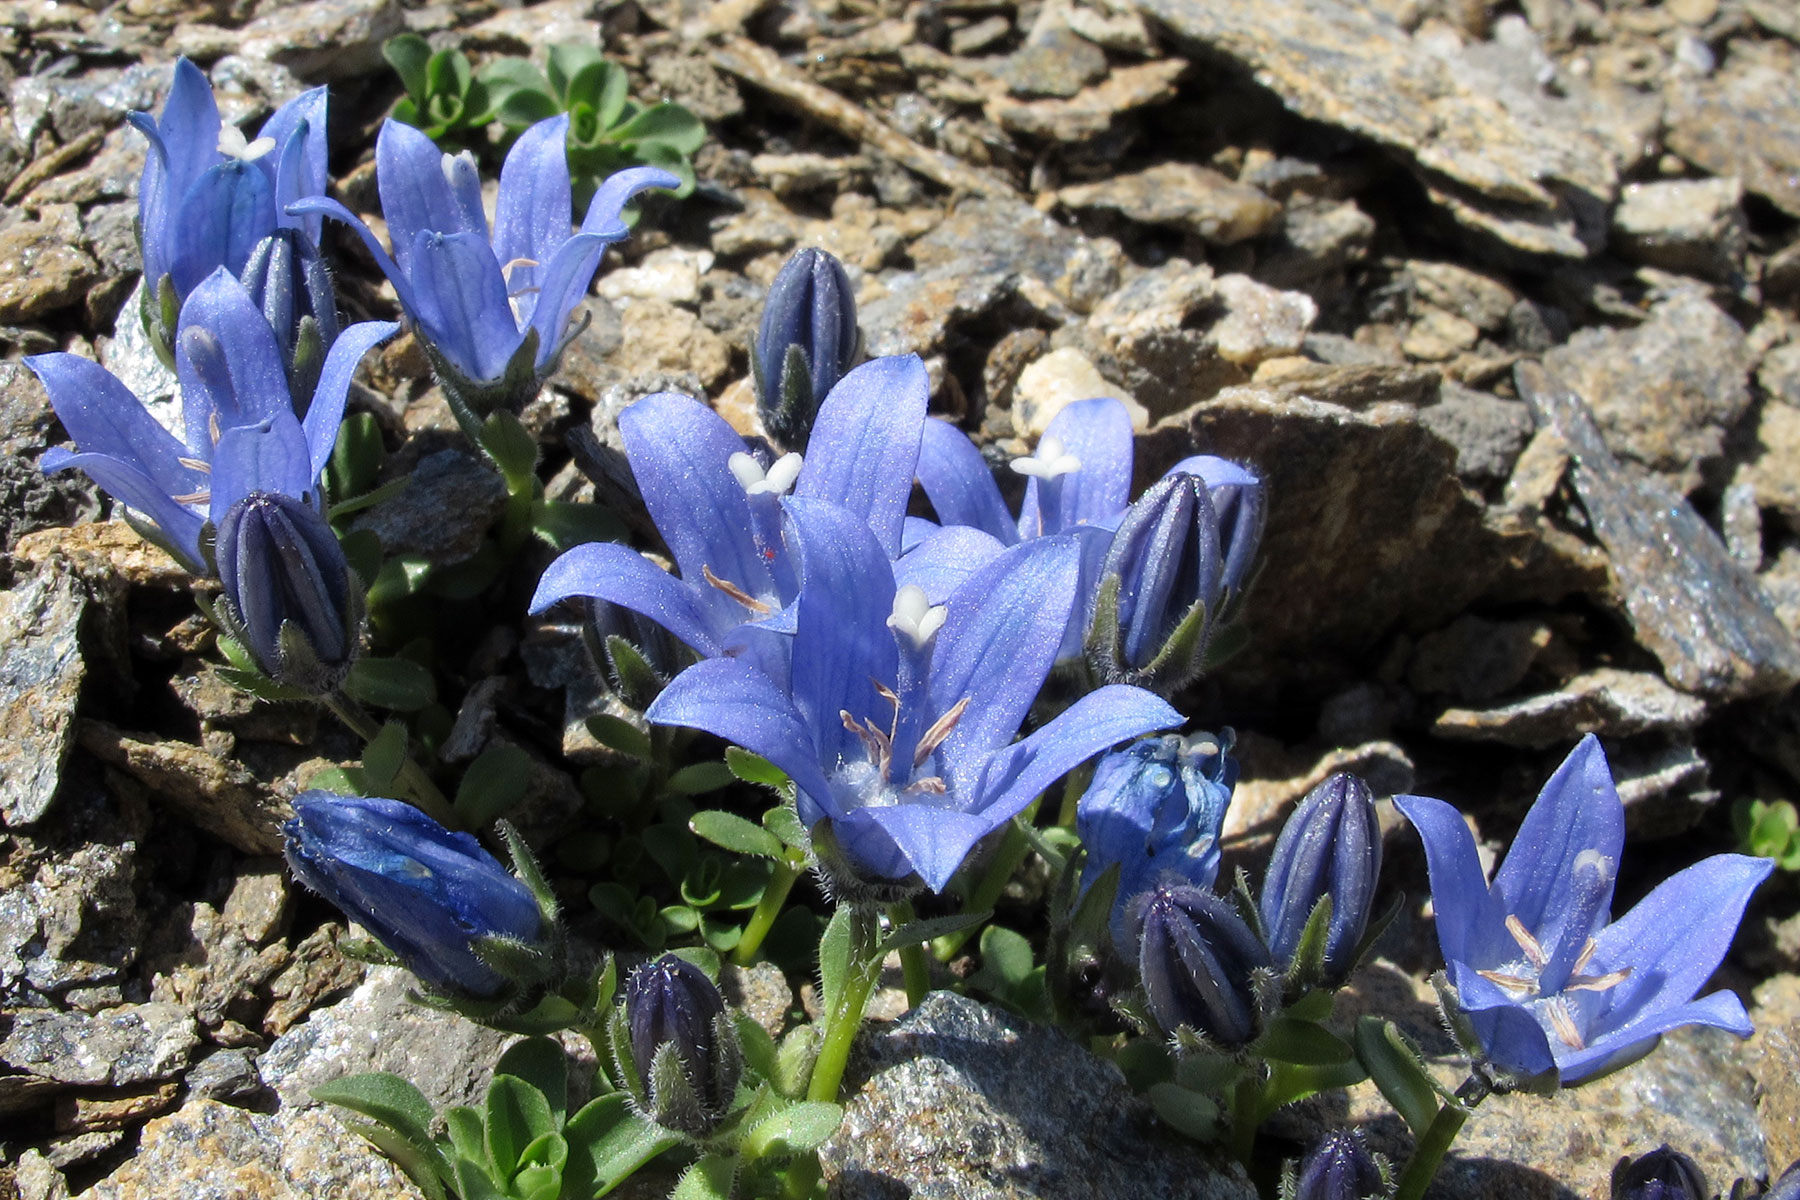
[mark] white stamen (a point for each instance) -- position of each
(1050, 461)
(915, 616)
(1204, 744)
(233, 145)
(756, 482)
(451, 162)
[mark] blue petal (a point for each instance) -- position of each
(534, 213)
(864, 446)
(1721, 1010)
(742, 705)
(890, 842)
(1578, 810)
(1214, 470)
(269, 456)
(470, 322)
(1098, 434)
(1470, 922)
(842, 645)
(299, 160)
(999, 640)
(1099, 719)
(326, 412)
(611, 197)
(1511, 1036)
(337, 212)
(944, 559)
(415, 196)
(608, 571)
(230, 366)
(104, 418)
(564, 284)
(126, 482)
(959, 484)
(229, 209)
(188, 128)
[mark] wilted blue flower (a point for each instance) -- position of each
(208, 197)
(1155, 810)
(288, 594)
(684, 1049)
(719, 508)
(431, 896)
(493, 310)
(1197, 959)
(1544, 978)
(1330, 846)
(1662, 1174)
(1339, 1167)
(806, 342)
(898, 719)
(240, 432)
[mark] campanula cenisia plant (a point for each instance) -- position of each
(1329, 849)
(805, 343)
(677, 1047)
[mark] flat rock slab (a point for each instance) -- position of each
(961, 1102)
(1703, 616)
(131, 1044)
(1745, 121)
(41, 672)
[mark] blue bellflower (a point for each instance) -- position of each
(1546, 980)
(1664, 1173)
(897, 727)
(1339, 1167)
(209, 197)
(289, 594)
(1198, 961)
(684, 1049)
(1155, 810)
(428, 894)
(493, 308)
(240, 433)
(1330, 846)
(718, 508)
(806, 341)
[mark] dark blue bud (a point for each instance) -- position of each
(805, 344)
(1663, 1174)
(1197, 960)
(1238, 499)
(1161, 587)
(1330, 846)
(1154, 809)
(288, 280)
(682, 1045)
(287, 590)
(428, 894)
(1339, 1167)
(1787, 1187)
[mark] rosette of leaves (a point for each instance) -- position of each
(445, 96)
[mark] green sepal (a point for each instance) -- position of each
(1307, 970)
(1181, 657)
(732, 832)
(793, 1129)
(709, 1177)
(637, 683)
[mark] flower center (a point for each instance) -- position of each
(1051, 461)
(757, 482)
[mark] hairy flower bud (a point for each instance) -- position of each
(429, 895)
(288, 594)
(287, 279)
(1662, 1174)
(683, 1046)
(1330, 846)
(806, 342)
(1196, 959)
(1339, 1167)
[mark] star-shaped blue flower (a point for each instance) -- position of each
(1544, 976)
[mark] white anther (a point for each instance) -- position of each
(233, 145)
(1204, 744)
(916, 616)
(1050, 461)
(452, 163)
(756, 482)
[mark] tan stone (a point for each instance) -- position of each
(1057, 380)
(661, 337)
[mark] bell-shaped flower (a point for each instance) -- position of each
(898, 719)
(1548, 984)
(1198, 961)
(1339, 1167)
(431, 896)
(718, 507)
(684, 1057)
(492, 309)
(1154, 810)
(289, 596)
(806, 341)
(1330, 847)
(209, 196)
(239, 428)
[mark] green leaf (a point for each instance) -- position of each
(616, 733)
(707, 1178)
(402, 576)
(754, 768)
(362, 550)
(564, 524)
(607, 1142)
(665, 124)
(1006, 954)
(447, 73)
(370, 499)
(794, 1130)
(467, 1132)
(914, 932)
(794, 1060)
(734, 833)
(1290, 1083)
(399, 684)
(386, 1098)
(1303, 1043)
(427, 1167)
(1397, 1070)
(697, 779)
(542, 1063)
(513, 450)
(1193, 1114)
(517, 1115)
(609, 104)
(835, 953)
(255, 683)
(492, 785)
(784, 823)
(474, 1182)
(521, 107)
(383, 757)
(408, 54)
(760, 1056)
(337, 779)
(358, 453)
(565, 61)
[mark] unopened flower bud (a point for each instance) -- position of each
(1662, 1174)
(1330, 846)
(431, 896)
(287, 279)
(684, 1048)
(1787, 1187)
(805, 344)
(1237, 499)
(1339, 1167)
(1197, 959)
(288, 594)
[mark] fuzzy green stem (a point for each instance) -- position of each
(1428, 1155)
(1011, 852)
(801, 1177)
(774, 896)
(412, 778)
(846, 1015)
(1246, 1099)
(912, 957)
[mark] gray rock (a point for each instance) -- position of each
(1704, 617)
(1664, 394)
(1695, 226)
(1482, 301)
(1744, 120)
(43, 267)
(1196, 199)
(25, 413)
(983, 236)
(449, 481)
(1475, 659)
(1054, 63)
(323, 41)
(1092, 112)
(1489, 433)
(1606, 701)
(131, 1044)
(41, 672)
(960, 1102)
(228, 1076)
(1317, 240)
(221, 796)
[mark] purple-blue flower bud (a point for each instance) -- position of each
(1787, 1187)
(682, 1045)
(1339, 1167)
(1238, 501)
(1197, 959)
(428, 894)
(1154, 809)
(806, 342)
(288, 593)
(1160, 588)
(1330, 846)
(287, 279)
(1662, 1174)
